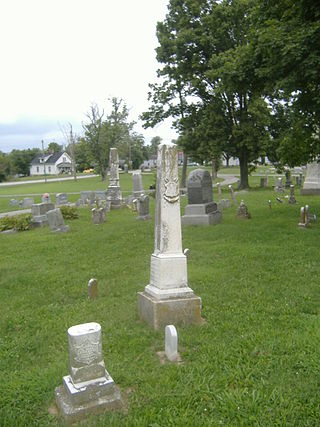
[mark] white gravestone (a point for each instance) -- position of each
(168, 298)
(302, 222)
(219, 189)
(137, 184)
(311, 184)
(114, 193)
(171, 343)
(89, 388)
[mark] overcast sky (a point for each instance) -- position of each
(60, 56)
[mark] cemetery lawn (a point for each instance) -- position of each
(255, 360)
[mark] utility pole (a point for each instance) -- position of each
(44, 163)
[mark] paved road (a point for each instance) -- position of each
(36, 181)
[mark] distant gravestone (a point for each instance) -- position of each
(288, 182)
(100, 195)
(311, 184)
(243, 211)
(233, 196)
(279, 187)
(143, 208)
(219, 189)
(98, 215)
(56, 221)
(14, 202)
(88, 197)
(201, 210)
(61, 199)
(114, 193)
(137, 184)
(92, 289)
(171, 343)
(39, 213)
(263, 182)
(45, 198)
(27, 202)
(126, 168)
(89, 388)
(303, 222)
(224, 204)
(292, 198)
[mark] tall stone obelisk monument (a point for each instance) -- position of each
(114, 193)
(167, 299)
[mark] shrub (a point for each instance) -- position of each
(17, 222)
(69, 212)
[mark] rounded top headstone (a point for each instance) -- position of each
(84, 329)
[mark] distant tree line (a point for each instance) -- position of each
(240, 78)
(101, 131)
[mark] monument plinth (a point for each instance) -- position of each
(167, 298)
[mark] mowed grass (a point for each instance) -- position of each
(253, 362)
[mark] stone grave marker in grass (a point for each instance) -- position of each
(201, 209)
(168, 299)
(56, 221)
(88, 388)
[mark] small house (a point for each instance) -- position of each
(51, 164)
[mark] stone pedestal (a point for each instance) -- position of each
(114, 193)
(56, 221)
(167, 299)
(202, 214)
(89, 388)
(311, 184)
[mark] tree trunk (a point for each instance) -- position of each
(184, 171)
(104, 173)
(214, 169)
(244, 172)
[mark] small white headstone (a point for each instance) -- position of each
(171, 343)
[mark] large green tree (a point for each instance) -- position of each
(204, 46)
(103, 132)
(286, 46)
(21, 159)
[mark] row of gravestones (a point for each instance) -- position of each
(27, 202)
(166, 300)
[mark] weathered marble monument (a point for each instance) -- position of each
(88, 388)
(201, 209)
(114, 194)
(167, 299)
(143, 208)
(56, 221)
(137, 184)
(311, 184)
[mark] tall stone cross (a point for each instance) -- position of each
(167, 298)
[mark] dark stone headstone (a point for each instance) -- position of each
(199, 187)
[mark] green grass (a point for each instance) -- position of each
(254, 361)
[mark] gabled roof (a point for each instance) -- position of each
(51, 160)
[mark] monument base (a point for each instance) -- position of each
(114, 196)
(93, 398)
(176, 311)
(310, 191)
(202, 214)
(144, 217)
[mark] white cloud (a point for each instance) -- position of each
(59, 56)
